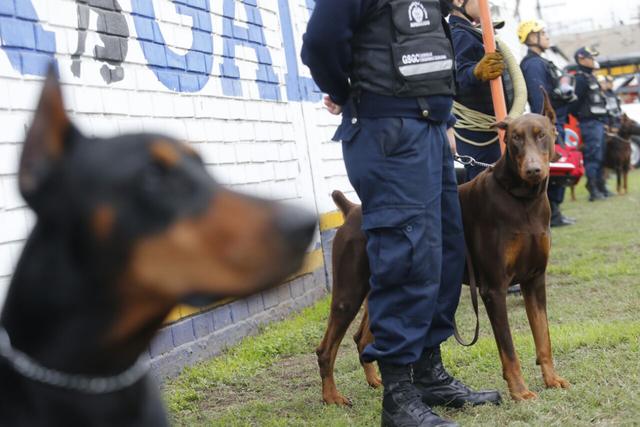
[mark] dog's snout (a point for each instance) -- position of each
(296, 227)
(533, 171)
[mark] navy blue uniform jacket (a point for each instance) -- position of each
(326, 51)
(537, 75)
(582, 91)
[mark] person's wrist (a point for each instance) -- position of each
(338, 101)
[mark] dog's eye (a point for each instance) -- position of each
(171, 183)
(542, 135)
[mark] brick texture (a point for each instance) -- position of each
(223, 75)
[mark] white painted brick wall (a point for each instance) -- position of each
(277, 149)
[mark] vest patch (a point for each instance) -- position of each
(418, 16)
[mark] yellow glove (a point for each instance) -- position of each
(490, 67)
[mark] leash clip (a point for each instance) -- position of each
(470, 161)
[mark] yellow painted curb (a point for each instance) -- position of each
(331, 220)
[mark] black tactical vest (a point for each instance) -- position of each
(595, 106)
(480, 99)
(559, 98)
(403, 49)
(613, 105)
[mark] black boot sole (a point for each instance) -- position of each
(456, 404)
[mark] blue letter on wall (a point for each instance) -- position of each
(298, 88)
(29, 47)
(253, 37)
(184, 73)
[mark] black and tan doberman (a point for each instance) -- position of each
(126, 229)
(506, 218)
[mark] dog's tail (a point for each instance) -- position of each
(342, 202)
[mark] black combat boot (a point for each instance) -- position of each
(557, 219)
(402, 404)
(594, 193)
(602, 188)
(440, 388)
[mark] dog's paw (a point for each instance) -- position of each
(374, 381)
(523, 395)
(336, 399)
(556, 382)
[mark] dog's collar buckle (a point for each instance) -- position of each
(31, 369)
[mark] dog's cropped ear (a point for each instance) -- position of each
(547, 108)
(47, 138)
(503, 125)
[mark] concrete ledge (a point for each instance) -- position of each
(205, 335)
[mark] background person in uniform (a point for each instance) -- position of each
(398, 160)
(591, 111)
(541, 74)
(614, 109)
(474, 70)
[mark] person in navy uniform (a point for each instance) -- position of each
(474, 70)
(541, 74)
(387, 67)
(591, 111)
(614, 108)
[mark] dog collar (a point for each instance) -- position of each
(31, 369)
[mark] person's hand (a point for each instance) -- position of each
(490, 67)
(452, 141)
(333, 108)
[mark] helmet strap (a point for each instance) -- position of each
(537, 43)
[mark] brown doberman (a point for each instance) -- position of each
(506, 218)
(618, 152)
(127, 228)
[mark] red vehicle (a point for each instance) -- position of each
(569, 168)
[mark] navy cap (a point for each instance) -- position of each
(585, 52)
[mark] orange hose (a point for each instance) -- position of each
(497, 90)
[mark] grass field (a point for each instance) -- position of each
(594, 311)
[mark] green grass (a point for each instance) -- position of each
(594, 301)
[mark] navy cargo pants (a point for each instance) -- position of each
(556, 192)
(402, 170)
(593, 148)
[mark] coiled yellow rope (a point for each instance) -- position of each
(479, 122)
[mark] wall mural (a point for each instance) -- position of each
(114, 33)
(30, 48)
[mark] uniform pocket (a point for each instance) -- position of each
(346, 132)
(398, 245)
(388, 134)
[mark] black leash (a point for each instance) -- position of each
(473, 288)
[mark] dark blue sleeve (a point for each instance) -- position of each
(468, 51)
(326, 47)
(582, 89)
(536, 75)
(451, 121)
